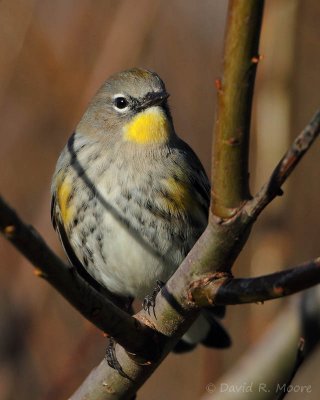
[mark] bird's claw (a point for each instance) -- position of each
(112, 359)
(150, 300)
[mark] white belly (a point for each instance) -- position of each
(132, 268)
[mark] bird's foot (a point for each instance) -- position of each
(150, 300)
(112, 358)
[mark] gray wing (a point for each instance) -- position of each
(197, 176)
(203, 189)
(73, 259)
(121, 302)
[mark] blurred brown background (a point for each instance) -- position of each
(53, 57)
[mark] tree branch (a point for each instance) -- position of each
(299, 360)
(92, 305)
(234, 95)
(224, 290)
(268, 363)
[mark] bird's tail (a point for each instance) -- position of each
(206, 330)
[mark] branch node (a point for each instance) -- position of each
(195, 291)
(233, 141)
(108, 388)
(145, 321)
(9, 231)
(280, 192)
(39, 273)
(256, 59)
(218, 84)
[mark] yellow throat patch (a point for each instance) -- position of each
(149, 126)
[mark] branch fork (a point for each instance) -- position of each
(197, 289)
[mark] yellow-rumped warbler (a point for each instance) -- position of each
(130, 198)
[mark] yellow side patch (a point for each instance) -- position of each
(149, 126)
(64, 190)
(180, 198)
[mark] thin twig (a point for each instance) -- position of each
(224, 290)
(287, 164)
(271, 359)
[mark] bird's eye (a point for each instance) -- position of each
(121, 102)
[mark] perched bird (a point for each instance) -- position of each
(129, 197)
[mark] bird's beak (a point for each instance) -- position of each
(153, 99)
